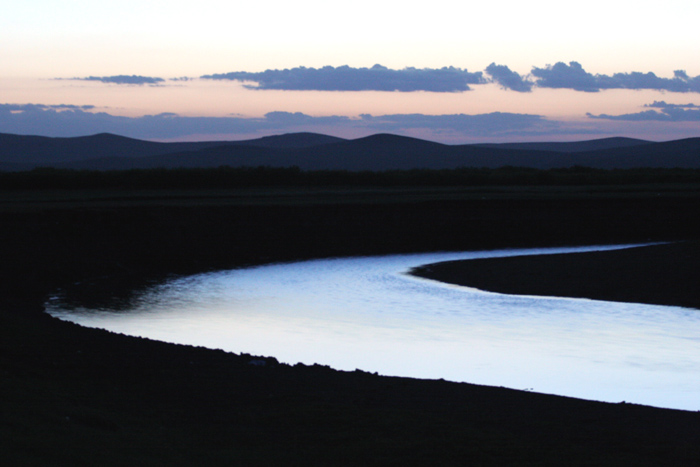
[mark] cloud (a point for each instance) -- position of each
(40, 107)
(490, 124)
(496, 123)
(54, 120)
(122, 79)
(573, 76)
(665, 113)
(284, 119)
(561, 75)
(447, 79)
(508, 79)
(345, 78)
(45, 120)
(664, 105)
(681, 82)
(647, 115)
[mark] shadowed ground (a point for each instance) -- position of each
(76, 396)
(661, 274)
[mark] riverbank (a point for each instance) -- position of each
(77, 396)
(666, 274)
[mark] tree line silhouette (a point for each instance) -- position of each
(241, 177)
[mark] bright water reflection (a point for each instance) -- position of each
(367, 313)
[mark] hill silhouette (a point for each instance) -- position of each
(290, 140)
(22, 152)
(575, 146)
(683, 153)
(310, 151)
(21, 149)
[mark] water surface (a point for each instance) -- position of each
(367, 313)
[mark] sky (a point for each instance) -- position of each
(455, 73)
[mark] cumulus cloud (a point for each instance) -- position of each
(44, 120)
(663, 113)
(451, 79)
(123, 79)
(680, 82)
(447, 79)
(573, 76)
(560, 75)
(345, 78)
(508, 79)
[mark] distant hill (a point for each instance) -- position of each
(290, 140)
(310, 151)
(575, 146)
(41, 150)
(684, 153)
(20, 151)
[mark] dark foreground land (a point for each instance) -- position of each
(76, 396)
(665, 274)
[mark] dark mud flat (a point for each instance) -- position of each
(77, 396)
(667, 274)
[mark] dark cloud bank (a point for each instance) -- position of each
(663, 113)
(451, 79)
(345, 78)
(447, 79)
(122, 79)
(74, 121)
(573, 76)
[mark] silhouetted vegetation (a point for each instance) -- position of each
(237, 177)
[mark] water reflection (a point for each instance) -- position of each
(367, 313)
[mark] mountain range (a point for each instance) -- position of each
(311, 151)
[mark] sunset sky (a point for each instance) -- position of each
(454, 73)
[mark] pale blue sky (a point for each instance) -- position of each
(608, 41)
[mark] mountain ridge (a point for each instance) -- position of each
(575, 146)
(315, 151)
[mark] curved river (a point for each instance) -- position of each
(368, 313)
